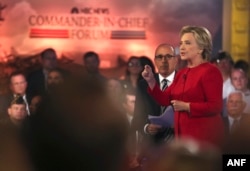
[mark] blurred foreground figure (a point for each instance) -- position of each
(185, 155)
(13, 156)
(77, 128)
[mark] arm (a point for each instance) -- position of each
(154, 89)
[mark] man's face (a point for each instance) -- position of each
(18, 84)
(92, 64)
(114, 87)
(54, 78)
(224, 66)
(235, 105)
(129, 105)
(17, 111)
(166, 65)
(49, 61)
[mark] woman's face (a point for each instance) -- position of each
(134, 66)
(189, 49)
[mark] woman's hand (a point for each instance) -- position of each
(180, 105)
(148, 75)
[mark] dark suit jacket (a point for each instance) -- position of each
(145, 105)
(36, 82)
(227, 126)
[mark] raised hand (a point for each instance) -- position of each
(148, 75)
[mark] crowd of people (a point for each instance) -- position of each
(59, 120)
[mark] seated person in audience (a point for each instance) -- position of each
(239, 139)
(18, 86)
(37, 83)
(91, 61)
(34, 104)
(239, 77)
(133, 73)
(225, 63)
(235, 108)
(128, 106)
(115, 91)
(56, 77)
(243, 64)
(17, 111)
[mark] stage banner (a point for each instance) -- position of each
(112, 28)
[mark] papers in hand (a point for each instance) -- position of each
(165, 120)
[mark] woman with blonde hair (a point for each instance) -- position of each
(196, 93)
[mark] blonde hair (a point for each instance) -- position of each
(202, 37)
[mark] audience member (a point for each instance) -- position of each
(133, 138)
(35, 103)
(18, 86)
(37, 79)
(240, 81)
(17, 111)
(235, 109)
(133, 73)
(129, 104)
(91, 62)
(115, 91)
(242, 64)
(165, 62)
(196, 93)
(225, 64)
(55, 78)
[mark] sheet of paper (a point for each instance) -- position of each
(165, 120)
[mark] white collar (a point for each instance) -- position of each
(170, 78)
(231, 119)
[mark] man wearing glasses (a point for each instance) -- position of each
(165, 61)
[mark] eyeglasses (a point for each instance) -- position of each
(131, 64)
(167, 56)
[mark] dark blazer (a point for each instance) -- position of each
(36, 82)
(145, 105)
(226, 125)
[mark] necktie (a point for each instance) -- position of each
(235, 125)
(164, 84)
(27, 105)
(168, 133)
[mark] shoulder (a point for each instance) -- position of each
(208, 67)
(208, 70)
